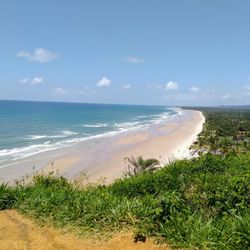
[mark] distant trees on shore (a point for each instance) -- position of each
(226, 131)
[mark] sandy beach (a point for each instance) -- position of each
(165, 148)
(104, 158)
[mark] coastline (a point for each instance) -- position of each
(104, 158)
(165, 148)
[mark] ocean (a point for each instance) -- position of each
(28, 128)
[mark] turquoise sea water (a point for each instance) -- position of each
(28, 128)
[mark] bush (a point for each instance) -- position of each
(7, 197)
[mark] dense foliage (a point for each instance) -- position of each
(226, 131)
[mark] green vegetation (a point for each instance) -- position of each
(203, 203)
(226, 131)
(137, 166)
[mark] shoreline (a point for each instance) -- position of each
(166, 148)
(103, 158)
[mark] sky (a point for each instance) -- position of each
(159, 52)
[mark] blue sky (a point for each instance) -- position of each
(163, 52)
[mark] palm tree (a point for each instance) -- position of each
(138, 165)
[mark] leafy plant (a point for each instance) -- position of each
(137, 166)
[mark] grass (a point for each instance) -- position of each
(200, 204)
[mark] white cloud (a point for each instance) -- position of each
(171, 85)
(38, 55)
(126, 86)
(36, 81)
(23, 81)
(247, 88)
(58, 91)
(134, 59)
(104, 82)
(227, 96)
(194, 89)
